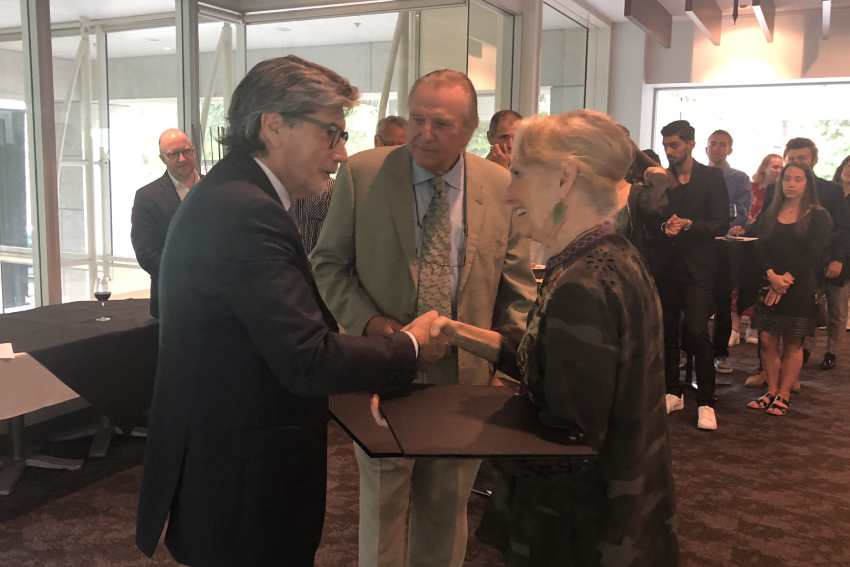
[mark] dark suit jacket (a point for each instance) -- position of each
(831, 197)
(236, 447)
(153, 208)
(705, 201)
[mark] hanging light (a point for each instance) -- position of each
(735, 12)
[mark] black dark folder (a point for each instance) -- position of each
(464, 422)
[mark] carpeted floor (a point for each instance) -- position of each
(760, 491)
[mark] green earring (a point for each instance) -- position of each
(558, 214)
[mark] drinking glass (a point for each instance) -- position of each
(102, 291)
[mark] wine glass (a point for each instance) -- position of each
(102, 291)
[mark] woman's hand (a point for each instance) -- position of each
(772, 298)
(656, 177)
(780, 284)
(444, 326)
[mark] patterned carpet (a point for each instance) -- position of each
(760, 491)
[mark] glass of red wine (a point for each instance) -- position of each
(102, 291)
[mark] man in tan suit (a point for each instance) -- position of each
(423, 226)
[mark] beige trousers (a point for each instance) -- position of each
(435, 491)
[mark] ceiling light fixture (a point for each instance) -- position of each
(283, 29)
(765, 11)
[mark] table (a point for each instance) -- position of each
(459, 422)
(110, 364)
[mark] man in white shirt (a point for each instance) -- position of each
(156, 203)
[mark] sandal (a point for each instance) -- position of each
(779, 406)
(762, 403)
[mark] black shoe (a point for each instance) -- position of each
(806, 354)
(828, 362)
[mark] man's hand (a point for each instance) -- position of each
(737, 231)
(833, 270)
(376, 412)
(379, 325)
(445, 326)
(499, 154)
(672, 227)
(430, 349)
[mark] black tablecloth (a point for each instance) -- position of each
(110, 364)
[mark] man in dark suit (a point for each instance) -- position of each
(681, 253)
(236, 449)
(156, 203)
(831, 197)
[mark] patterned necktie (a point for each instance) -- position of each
(435, 283)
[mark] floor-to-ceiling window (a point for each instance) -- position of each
(563, 63)
(761, 119)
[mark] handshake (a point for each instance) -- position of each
(434, 344)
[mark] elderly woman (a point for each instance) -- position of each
(591, 360)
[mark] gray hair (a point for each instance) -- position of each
(283, 85)
(452, 78)
(396, 121)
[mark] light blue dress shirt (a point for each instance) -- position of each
(423, 192)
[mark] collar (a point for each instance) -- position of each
(278, 186)
(179, 184)
(453, 178)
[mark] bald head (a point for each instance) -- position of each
(178, 154)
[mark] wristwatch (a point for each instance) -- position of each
(689, 225)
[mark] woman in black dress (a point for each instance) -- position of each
(794, 248)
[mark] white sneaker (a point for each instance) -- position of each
(751, 337)
(706, 420)
(734, 338)
(675, 403)
(721, 365)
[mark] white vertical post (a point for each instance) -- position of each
(103, 144)
(388, 74)
(86, 126)
(189, 113)
(530, 44)
(402, 84)
(241, 51)
(41, 134)
(227, 85)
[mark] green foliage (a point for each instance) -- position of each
(833, 145)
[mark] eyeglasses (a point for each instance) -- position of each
(174, 156)
(334, 132)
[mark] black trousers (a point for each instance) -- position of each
(680, 293)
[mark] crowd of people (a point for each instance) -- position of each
(420, 251)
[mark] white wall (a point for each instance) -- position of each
(743, 57)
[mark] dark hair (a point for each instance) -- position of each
(799, 144)
(498, 117)
(653, 156)
(641, 163)
(840, 170)
(723, 133)
(283, 85)
(396, 121)
(808, 203)
(450, 77)
(681, 128)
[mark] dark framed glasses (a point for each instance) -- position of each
(334, 132)
(174, 156)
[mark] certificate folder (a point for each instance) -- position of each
(464, 422)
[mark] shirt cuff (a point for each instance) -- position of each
(415, 342)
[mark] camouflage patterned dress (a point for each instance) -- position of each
(591, 359)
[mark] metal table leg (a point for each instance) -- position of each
(102, 433)
(13, 465)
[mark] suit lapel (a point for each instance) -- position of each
(399, 183)
(476, 212)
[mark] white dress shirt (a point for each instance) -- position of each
(181, 188)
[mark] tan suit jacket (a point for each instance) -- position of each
(365, 261)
